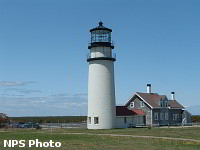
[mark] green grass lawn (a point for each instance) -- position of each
(99, 142)
(189, 133)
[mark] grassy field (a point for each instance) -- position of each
(98, 142)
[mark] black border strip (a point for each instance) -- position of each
(101, 58)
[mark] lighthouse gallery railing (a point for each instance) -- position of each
(100, 55)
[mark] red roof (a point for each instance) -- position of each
(152, 99)
(175, 104)
(124, 111)
(138, 111)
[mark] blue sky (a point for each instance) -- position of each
(43, 47)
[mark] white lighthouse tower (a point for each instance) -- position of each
(101, 84)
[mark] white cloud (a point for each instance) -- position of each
(81, 94)
(38, 102)
(18, 92)
(14, 83)
(57, 104)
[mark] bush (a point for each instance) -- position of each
(196, 119)
(38, 127)
(149, 127)
(3, 120)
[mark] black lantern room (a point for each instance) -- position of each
(101, 36)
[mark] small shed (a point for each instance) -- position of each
(128, 118)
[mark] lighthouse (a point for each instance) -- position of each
(101, 83)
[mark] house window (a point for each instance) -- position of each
(124, 119)
(166, 116)
(156, 116)
(174, 116)
(89, 120)
(161, 103)
(161, 116)
(142, 104)
(166, 104)
(96, 120)
(177, 116)
(132, 105)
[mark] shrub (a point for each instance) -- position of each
(3, 120)
(195, 119)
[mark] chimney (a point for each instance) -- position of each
(149, 88)
(173, 95)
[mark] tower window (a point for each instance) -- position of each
(96, 120)
(89, 120)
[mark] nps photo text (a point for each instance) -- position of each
(31, 143)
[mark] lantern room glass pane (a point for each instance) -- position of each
(101, 36)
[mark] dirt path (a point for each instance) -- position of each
(135, 136)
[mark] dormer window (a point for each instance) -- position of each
(166, 104)
(132, 105)
(161, 103)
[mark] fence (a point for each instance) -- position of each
(63, 125)
(167, 125)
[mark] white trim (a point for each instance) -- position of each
(177, 108)
(129, 99)
(141, 99)
(144, 100)
(151, 116)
